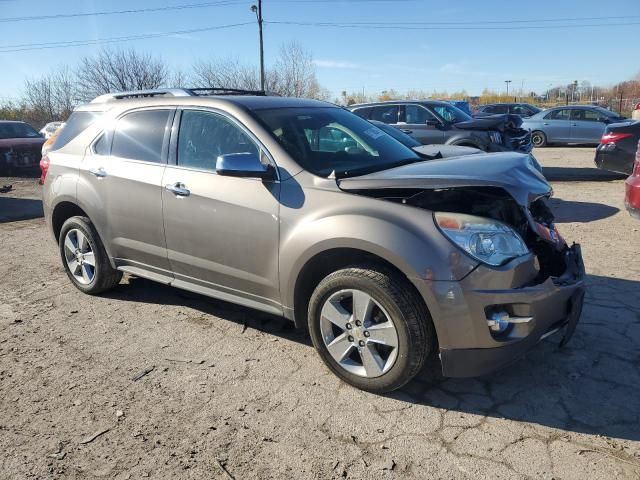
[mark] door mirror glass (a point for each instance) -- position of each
(246, 165)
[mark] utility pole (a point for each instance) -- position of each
(258, 11)
(507, 82)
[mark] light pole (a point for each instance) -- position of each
(258, 11)
(507, 82)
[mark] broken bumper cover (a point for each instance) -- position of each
(539, 311)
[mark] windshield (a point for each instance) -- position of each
(449, 113)
(324, 140)
(17, 130)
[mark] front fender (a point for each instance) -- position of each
(473, 139)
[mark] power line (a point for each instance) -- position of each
(422, 26)
(122, 12)
(78, 43)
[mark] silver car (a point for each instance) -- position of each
(574, 124)
(302, 209)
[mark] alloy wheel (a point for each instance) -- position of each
(358, 333)
(79, 256)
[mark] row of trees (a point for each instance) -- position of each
(54, 95)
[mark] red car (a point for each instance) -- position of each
(20, 147)
(632, 188)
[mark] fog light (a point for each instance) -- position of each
(498, 322)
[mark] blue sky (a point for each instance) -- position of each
(352, 58)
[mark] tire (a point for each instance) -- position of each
(87, 278)
(539, 139)
(394, 299)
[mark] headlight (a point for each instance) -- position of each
(495, 137)
(484, 239)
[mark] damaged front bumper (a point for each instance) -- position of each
(468, 346)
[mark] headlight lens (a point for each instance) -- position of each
(484, 239)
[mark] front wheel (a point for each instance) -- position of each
(539, 139)
(370, 328)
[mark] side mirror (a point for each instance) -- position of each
(246, 165)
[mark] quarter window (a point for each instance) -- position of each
(385, 113)
(140, 135)
(101, 147)
(204, 136)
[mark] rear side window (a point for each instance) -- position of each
(415, 114)
(585, 115)
(497, 109)
(364, 112)
(140, 135)
(385, 113)
(76, 124)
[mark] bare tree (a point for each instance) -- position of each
(51, 97)
(225, 73)
(119, 70)
(294, 73)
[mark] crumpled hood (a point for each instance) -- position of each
(494, 122)
(513, 172)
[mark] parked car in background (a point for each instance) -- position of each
(636, 112)
(618, 146)
(521, 109)
(50, 128)
(632, 188)
(20, 146)
(573, 124)
(300, 208)
(436, 122)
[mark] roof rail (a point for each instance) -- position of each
(229, 91)
(160, 92)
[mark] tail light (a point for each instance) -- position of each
(636, 164)
(44, 168)
(613, 137)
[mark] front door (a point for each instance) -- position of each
(122, 172)
(422, 125)
(222, 232)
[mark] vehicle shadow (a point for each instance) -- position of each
(13, 209)
(146, 291)
(585, 387)
(568, 211)
(579, 174)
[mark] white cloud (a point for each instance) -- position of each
(334, 64)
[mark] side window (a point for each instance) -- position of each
(330, 139)
(520, 110)
(562, 114)
(385, 113)
(139, 135)
(500, 109)
(585, 115)
(364, 112)
(101, 147)
(415, 114)
(204, 136)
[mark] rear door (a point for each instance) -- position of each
(421, 124)
(586, 125)
(557, 125)
(222, 232)
(124, 168)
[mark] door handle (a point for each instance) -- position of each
(178, 189)
(408, 132)
(98, 172)
(545, 123)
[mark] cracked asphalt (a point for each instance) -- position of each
(149, 381)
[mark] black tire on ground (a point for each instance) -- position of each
(539, 139)
(105, 277)
(415, 330)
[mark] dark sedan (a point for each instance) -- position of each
(617, 149)
(20, 147)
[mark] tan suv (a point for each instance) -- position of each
(302, 209)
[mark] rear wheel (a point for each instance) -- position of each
(370, 328)
(84, 257)
(539, 139)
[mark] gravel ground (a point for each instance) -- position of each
(149, 381)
